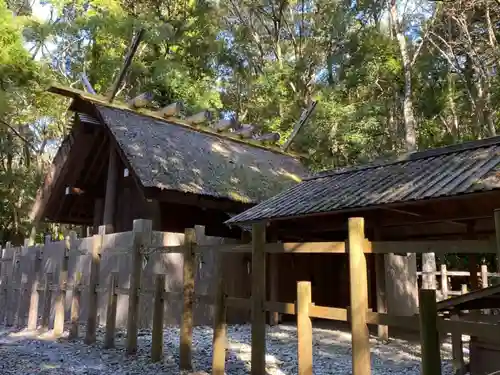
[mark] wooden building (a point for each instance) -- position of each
(117, 164)
(448, 193)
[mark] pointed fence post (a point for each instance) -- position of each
(23, 281)
(219, 339)
(258, 356)
(359, 297)
(60, 304)
(189, 270)
(444, 282)
(95, 263)
(35, 293)
(13, 294)
(142, 238)
(158, 309)
(304, 328)
(47, 303)
(5, 282)
(75, 306)
(429, 336)
(109, 339)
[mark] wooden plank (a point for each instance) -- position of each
(454, 303)
(186, 339)
(23, 281)
(141, 239)
(35, 294)
(481, 330)
(219, 338)
(95, 263)
(111, 184)
(444, 281)
(158, 310)
(382, 330)
(406, 322)
(429, 337)
(75, 306)
(5, 283)
(306, 247)
(497, 238)
(437, 247)
(359, 298)
(258, 357)
(109, 337)
(304, 328)
(47, 301)
(61, 294)
(457, 349)
(280, 307)
(273, 286)
(12, 295)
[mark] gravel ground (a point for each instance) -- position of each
(34, 353)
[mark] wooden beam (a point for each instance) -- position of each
(128, 60)
(429, 337)
(111, 182)
(258, 364)
(304, 328)
(359, 298)
(382, 331)
(497, 233)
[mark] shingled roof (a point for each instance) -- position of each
(168, 156)
(443, 172)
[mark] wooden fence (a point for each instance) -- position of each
(142, 243)
(445, 275)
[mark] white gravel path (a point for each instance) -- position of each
(24, 352)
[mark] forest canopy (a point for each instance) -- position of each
(389, 76)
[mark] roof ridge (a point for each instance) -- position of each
(412, 156)
(100, 100)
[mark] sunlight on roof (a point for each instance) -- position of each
(219, 148)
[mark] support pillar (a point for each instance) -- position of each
(110, 200)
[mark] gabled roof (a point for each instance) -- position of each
(449, 171)
(173, 157)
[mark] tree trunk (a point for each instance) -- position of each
(409, 117)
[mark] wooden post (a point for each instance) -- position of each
(142, 238)
(219, 339)
(457, 348)
(382, 331)
(98, 211)
(258, 364)
(60, 303)
(111, 183)
(188, 299)
(47, 301)
(428, 271)
(444, 281)
(497, 232)
(359, 298)
(75, 306)
(23, 280)
(158, 309)
(304, 328)
(4, 277)
(484, 275)
(35, 294)
(273, 286)
(429, 337)
(484, 283)
(12, 295)
(463, 290)
(95, 263)
(109, 337)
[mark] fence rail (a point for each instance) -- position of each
(142, 242)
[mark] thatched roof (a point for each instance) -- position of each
(169, 156)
